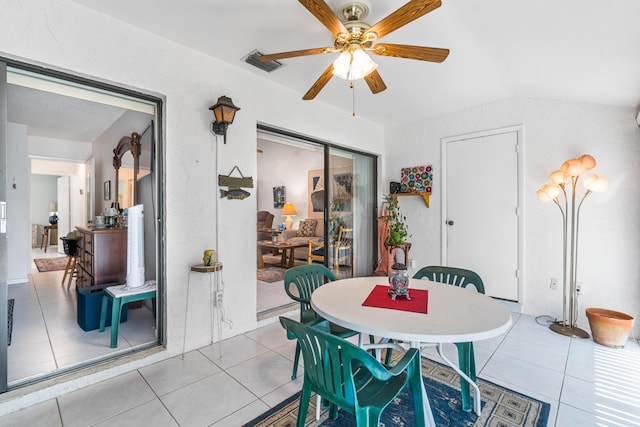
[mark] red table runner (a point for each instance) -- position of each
(380, 298)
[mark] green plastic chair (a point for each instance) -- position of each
(348, 377)
(308, 278)
(462, 278)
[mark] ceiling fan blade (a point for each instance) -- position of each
(319, 84)
(375, 83)
(407, 13)
(421, 53)
(292, 54)
(325, 15)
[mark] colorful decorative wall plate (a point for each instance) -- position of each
(416, 179)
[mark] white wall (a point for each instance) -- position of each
(67, 36)
(44, 190)
(554, 131)
(18, 224)
(44, 187)
(289, 166)
(63, 149)
(103, 146)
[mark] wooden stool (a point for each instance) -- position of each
(70, 270)
(45, 237)
(120, 295)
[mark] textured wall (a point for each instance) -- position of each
(67, 36)
(554, 131)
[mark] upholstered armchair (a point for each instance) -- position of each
(265, 222)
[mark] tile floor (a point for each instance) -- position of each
(46, 335)
(271, 296)
(586, 384)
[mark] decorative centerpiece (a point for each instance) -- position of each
(399, 281)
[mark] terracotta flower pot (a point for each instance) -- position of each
(609, 328)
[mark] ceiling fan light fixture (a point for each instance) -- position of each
(353, 64)
(341, 65)
(362, 64)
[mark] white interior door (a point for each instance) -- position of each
(481, 198)
(64, 206)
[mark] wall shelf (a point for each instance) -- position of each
(425, 197)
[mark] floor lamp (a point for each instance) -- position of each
(561, 189)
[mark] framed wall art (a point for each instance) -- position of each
(342, 192)
(416, 179)
(279, 196)
(316, 193)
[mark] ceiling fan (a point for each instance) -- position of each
(353, 38)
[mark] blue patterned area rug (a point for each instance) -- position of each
(501, 407)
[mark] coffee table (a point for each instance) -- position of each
(283, 248)
(454, 315)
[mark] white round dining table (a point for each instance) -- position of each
(453, 315)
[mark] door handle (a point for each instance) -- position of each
(450, 222)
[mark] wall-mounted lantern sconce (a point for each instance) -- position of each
(223, 114)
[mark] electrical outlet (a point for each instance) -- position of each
(579, 288)
(412, 263)
(553, 284)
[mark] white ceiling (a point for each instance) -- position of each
(575, 50)
(56, 116)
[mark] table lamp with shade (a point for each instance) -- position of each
(53, 213)
(288, 210)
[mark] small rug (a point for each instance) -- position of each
(50, 264)
(500, 406)
(10, 304)
(271, 274)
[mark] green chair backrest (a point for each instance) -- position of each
(333, 366)
(306, 278)
(451, 275)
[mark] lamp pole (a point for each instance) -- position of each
(569, 173)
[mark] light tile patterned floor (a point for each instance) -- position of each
(586, 384)
(46, 335)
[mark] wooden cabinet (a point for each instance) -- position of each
(102, 256)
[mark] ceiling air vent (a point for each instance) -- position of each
(254, 59)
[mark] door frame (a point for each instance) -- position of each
(3, 234)
(327, 146)
(159, 213)
(520, 211)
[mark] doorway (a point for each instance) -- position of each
(40, 104)
(332, 191)
(482, 195)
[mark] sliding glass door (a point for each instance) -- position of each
(3, 230)
(49, 335)
(335, 186)
(351, 213)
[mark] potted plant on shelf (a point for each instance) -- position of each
(398, 230)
